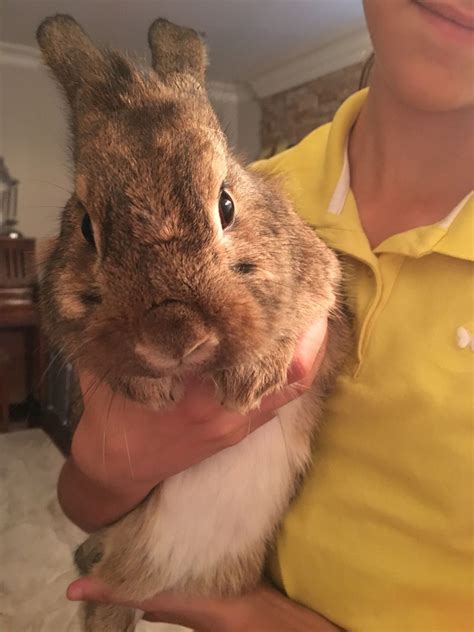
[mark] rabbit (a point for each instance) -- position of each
(173, 258)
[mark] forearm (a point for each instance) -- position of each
(266, 608)
(90, 505)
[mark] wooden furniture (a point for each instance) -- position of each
(19, 314)
(4, 391)
(17, 262)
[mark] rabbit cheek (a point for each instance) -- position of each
(244, 332)
(81, 186)
(68, 291)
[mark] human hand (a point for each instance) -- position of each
(121, 450)
(263, 610)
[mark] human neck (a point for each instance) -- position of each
(408, 167)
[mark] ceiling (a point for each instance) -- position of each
(246, 38)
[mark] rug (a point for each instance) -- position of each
(37, 540)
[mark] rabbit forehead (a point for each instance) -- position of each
(171, 195)
(148, 161)
(161, 127)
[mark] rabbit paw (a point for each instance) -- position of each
(243, 388)
(154, 393)
(89, 553)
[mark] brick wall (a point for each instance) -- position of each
(290, 115)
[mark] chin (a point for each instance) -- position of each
(430, 88)
(429, 98)
(425, 60)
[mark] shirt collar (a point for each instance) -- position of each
(452, 236)
(457, 239)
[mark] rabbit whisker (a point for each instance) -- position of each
(285, 442)
(52, 184)
(299, 386)
(132, 474)
(249, 427)
(104, 436)
(48, 368)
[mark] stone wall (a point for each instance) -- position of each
(288, 116)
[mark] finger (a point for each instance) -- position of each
(96, 394)
(249, 423)
(165, 607)
(304, 368)
(307, 351)
(90, 589)
(199, 397)
(94, 589)
(270, 404)
(295, 389)
(86, 380)
(308, 379)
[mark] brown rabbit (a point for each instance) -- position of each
(172, 257)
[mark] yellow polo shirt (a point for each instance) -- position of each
(381, 536)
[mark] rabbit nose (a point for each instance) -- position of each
(176, 331)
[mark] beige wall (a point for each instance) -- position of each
(240, 118)
(249, 121)
(34, 146)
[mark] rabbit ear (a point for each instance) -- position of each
(176, 49)
(69, 53)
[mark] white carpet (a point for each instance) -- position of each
(37, 540)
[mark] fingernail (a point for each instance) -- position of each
(74, 593)
(297, 371)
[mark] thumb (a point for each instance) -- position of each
(91, 589)
(165, 607)
(94, 589)
(307, 353)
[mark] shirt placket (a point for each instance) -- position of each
(385, 269)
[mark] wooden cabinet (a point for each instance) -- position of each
(22, 352)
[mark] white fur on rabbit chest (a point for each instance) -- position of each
(231, 502)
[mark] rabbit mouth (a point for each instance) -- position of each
(158, 363)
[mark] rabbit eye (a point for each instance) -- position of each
(87, 230)
(226, 209)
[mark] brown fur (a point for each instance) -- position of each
(150, 160)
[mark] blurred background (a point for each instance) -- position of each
(278, 69)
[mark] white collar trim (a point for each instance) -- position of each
(339, 196)
(342, 188)
(450, 217)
